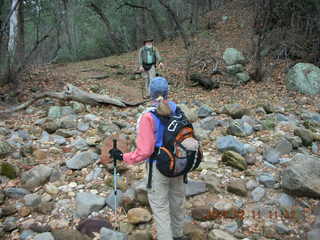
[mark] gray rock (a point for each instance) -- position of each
(271, 155)
(94, 174)
(243, 77)
(45, 137)
(83, 126)
(91, 118)
(4, 131)
(67, 133)
(232, 56)
(16, 192)
(234, 110)
(82, 159)
(106, 128)
(200, 133)
(231, 227)
(313, 235)
(110, 201)
(257, 194)
(251, 184)
(304, 78)
(44, 236)
(302, 177)
(285, 201)
(9, 224)
(80, 144)
(5, 149)
(240, 128)
(2, 196)
(205, 111)
(54, 112)
(36, 176)
(217, 234)
(107, 234)
(227, 143)
(67, 110)
(58, 139)
(311, 116)
(233, 69)
(32, 200)
(295, 141)
(27, 235)
(190, 113)
(284, 147)
(314, 148)
(195, 187)
(208, 123)
(282, 229)
(87, 203)
(78, 107)
(267, 180)
(69, 122)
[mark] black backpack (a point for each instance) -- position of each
(173, 159)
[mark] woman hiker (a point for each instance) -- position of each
(166, 195)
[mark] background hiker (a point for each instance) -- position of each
(167, 195)
(148, 58)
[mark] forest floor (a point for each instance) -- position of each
(114, 76)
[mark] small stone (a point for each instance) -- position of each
(194, 231)
(8, 170)
(16, 192)
(51, 189)
(251, 184)
(234, 159)
(44, 236)
(267, 180)
(32, 200)
(107, 234)
(126, 227)
(87, 203)
(36, 176)
(205, 111)
(24, 211)
(257, 194)
(81, 160)
(238, 188)
(138, 215)
(217, 234)
(9, 224)
(89, 226)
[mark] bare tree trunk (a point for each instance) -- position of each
(174, 17)
(115, 41)
(13, 40)
(195, 15)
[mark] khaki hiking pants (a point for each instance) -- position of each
(166, 198)
(148, 76)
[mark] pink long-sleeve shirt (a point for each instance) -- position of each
(145, 142)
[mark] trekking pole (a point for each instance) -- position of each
(115, 178)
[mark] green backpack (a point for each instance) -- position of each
(148, 58)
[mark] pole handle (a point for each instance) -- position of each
(114, 148)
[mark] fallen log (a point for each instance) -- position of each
(73, 93)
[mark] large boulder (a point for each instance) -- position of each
(302, 176)
(240, 128)
(234, 110)
(304, 78)
(232, 56)
(123, 144)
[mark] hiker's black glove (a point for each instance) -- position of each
(116, 154)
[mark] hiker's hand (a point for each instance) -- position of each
(116, 154)
(161, 65)
(141, 69)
